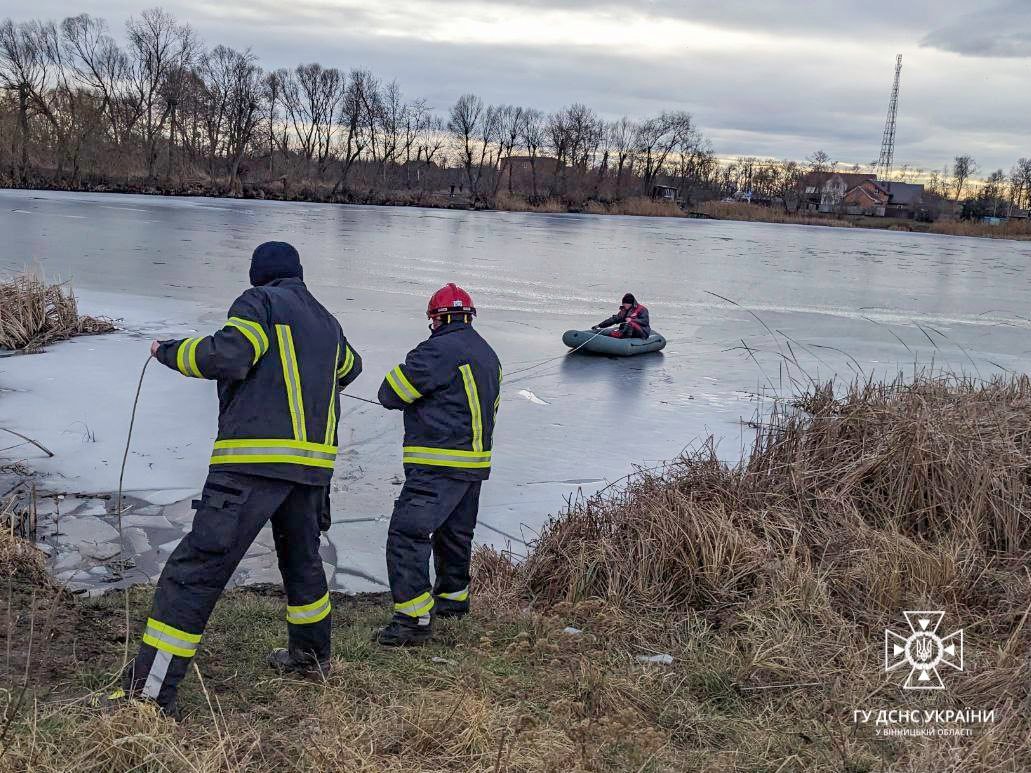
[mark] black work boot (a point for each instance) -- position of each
(302, 663)
(443, 607)
(398, 635)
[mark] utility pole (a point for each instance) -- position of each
(888, 138)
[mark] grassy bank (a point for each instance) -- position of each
(725, 210)
(310, 191)
(34, 313)
(769, 585)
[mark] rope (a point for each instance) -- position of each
(552, 359)
(125, 457)
(363, 399)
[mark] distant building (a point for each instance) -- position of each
(906, 199)
(867, 198)
(667, 192)
(825, 191)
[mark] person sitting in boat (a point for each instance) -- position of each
(632, 319)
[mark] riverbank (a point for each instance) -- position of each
(641, 206)
(704, 617)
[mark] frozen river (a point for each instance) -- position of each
(839, 301)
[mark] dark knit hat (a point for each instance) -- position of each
(275, 260)
(629, 298)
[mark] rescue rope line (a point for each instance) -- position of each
(364, 400)
(553, 359)
(125, 457)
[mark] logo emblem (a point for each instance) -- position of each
(923, 650)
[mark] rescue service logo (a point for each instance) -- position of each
(924, 653)
(923, 650)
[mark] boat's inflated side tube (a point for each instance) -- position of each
(593, 343)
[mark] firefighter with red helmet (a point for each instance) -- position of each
(632, 319)
(449, 388)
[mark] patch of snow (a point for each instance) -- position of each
(532, 397)
(572, 631)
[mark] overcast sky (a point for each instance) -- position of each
(777, 78)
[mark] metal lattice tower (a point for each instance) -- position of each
(888, 138)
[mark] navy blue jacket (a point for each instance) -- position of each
(449, 388)
(280, 362)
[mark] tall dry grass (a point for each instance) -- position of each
(849, 509)
(1012, 229)
(34, 313)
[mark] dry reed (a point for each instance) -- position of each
(34, 313)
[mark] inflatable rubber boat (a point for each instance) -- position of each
(590, 341)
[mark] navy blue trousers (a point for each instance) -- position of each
(232, 509)
(435, 514)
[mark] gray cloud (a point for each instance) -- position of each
(805, 78)
(1000, 30)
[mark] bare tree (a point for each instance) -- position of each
(160, 49)
(818, 161)
(510, 119)
(622, 139)
(312, 96)
(354, 109)
(23, 70)
(233, 83)
(473, 125)
(657, 139)
(532, 137)
(963, 167)
(99, 65)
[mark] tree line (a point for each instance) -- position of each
(80, 108)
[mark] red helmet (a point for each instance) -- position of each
(450, 299)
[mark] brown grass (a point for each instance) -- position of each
(34, 313)
(849, 510)
(736, 210)
(770, 583)
(1013, 229)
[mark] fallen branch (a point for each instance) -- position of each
(40, 446)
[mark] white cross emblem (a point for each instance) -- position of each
(923, 650)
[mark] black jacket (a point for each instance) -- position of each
(449, 388)
(280, 362)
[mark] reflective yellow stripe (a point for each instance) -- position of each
(446, 457)
(402, 386)
(447, 452)
(271, 459)
(292, 379)
(253, 332)
(164, 637)
(497, 400)
(192, 357)
(186, 357)
(331, 414)
(348, 361)
(266, 442)
(459, 595)
(417, 607)
(274, 452)
(472, 394)
(309, 613)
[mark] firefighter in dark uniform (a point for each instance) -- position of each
(280, 361)
(449, 388)
(632, 319)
